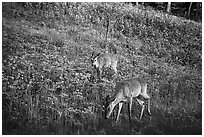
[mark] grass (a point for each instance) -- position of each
(46, 69)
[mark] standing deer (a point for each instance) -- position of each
(125, 91)
(105, 60)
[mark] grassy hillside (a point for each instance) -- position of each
(49, 86)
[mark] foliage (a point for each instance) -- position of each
(49, 86)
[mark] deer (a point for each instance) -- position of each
(125, 91)
(104, 60)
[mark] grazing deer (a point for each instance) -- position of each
(105, 60)
(125, 91)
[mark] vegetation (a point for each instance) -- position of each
(50, 87)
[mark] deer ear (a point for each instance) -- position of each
(97, 54)
(92, 55)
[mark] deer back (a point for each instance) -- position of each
(107, 60)
(131, 88)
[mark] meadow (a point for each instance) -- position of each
(50, 87)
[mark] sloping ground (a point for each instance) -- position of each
(47, 84)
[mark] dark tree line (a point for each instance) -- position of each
(190, 10)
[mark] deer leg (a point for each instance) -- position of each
(143, 106)
(119, 109)
(99, 73)
(148, 104)
(110, 111)
(107, 99)
(130, 108)
(115, 71)
(148, 107)
(111, 106)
